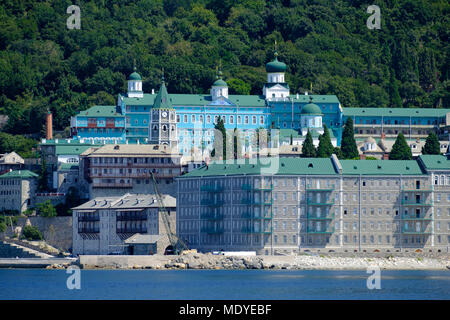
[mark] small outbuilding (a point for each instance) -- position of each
(141, 244)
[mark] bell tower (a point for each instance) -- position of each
(163, 124)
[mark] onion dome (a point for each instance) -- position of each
(275, 65)
(134, 75)
(311, 109)
(219, 82)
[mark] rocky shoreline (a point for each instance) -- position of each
(198, 261)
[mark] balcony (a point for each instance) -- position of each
(412, 217)
(212, 216)
(415, 231)
(250, 215)
(412, 203)
(132, 217)
(112, 185)
(329, 216)
(249, 187)
(88, 218)
(210, 230)
(212, 203)
(255, 231)
(416, 190)
(131, 230)
(310, 202)
(328, 230)
(88, 230)
(209, 188)
(252, 202)
(327, 189)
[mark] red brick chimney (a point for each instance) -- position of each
(49, 126)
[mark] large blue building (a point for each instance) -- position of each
(187, 120)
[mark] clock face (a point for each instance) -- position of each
(164, 114)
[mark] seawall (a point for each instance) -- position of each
(299, 262)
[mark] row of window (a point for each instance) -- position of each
(226, 119)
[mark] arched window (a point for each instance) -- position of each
(231, 119)
(208, 119)
(201, 118)
(442, 180)
(261, 120)
(193, 118)
(239, 120)
(253, 119)
(185, 119)
(164, 128)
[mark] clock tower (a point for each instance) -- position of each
(163, 124)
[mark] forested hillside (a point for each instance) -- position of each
(325, 43)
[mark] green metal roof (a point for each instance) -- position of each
(318, 98)
(196, 100)
(281, 166)
(68, 149)
(380, 167)
(100, 111)
(311, 109)
(19, 174)
(395, 112)
(435, 162)
(162, 100)
(68, 166)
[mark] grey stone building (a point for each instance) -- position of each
(17, 190)
(103, 225)
(299, 204)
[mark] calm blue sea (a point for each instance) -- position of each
(222, 284)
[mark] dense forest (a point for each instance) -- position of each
(325, 44)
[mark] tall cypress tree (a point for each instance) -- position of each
(43, 176)
(308, 149)
(325, 148)
(432, 145)
(220, 126)
(348, 143)
(400, 149)
(394, 96)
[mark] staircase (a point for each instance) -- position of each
(11, 250)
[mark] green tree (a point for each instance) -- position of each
(43, 175)
(32, 233)
(238, 86)
(46, 209)
(394, 97)
(348, 143)
(400, 149)
(432, 145)
(220, 139)
(308, 149)
(337, 151)
(325, 148)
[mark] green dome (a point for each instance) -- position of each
(311, 109)
(220, 83)
(275, 65)
(134, 76)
